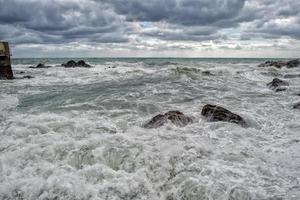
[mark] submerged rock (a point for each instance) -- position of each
(296, 105)
(40, 66)
(280, 89)
(217, 113)
(72, 64)
(278, 85)
(291, 76)
(20, 72)
(176, 117)
(280, 64)
(207, 73)
(27, 77)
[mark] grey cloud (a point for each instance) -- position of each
(186, 34)
(59, 21)
(132, 22)
(275, 19)
(186, 12)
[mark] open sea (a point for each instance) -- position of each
(76, 133)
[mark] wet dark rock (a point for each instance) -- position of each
(296, 106)
(27, 77)
(280, 64)
(40, 66)
(157, 121)
(293, 63)
(280, 89)
(176, 117)
(72, 64)
(111, 67)
(207, 73)
(278, 85)
(217, 113)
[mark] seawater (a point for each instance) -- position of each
(76, 133)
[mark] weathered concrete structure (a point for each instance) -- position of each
(5, 64)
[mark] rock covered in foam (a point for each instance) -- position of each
(291, 76)
(40, 66)
(280, 64)
(278, 85)
(217, 113)
(176, 117)
(296, 105)
(72, 64)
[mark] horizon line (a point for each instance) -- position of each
(153, 57)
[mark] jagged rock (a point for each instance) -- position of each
(39, 66)
(81, 63)
(72, 63)
(217, 113)
(280, 64)
(176, 117)
(278, 85)
(293, 63)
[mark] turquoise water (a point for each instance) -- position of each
(76, 133)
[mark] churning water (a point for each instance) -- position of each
(75, 133)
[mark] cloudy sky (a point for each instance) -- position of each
(151, 28)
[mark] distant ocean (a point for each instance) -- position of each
(76, 133)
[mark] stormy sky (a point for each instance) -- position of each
(151, 28)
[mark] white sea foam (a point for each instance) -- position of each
(76, 133)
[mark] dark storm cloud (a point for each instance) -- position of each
(186, 12)
(59, 21)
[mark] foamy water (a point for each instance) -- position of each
(76, 133)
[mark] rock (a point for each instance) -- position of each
(40, 66)
(217, 113)
(280, 89)
(176, 117)
(20, 72)
(27, 77)
(296, 106)
(155, 122)
(72, 63)
(280, 64)
(81, 63)
(278, 85)
(293, 63)
(207, 73)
